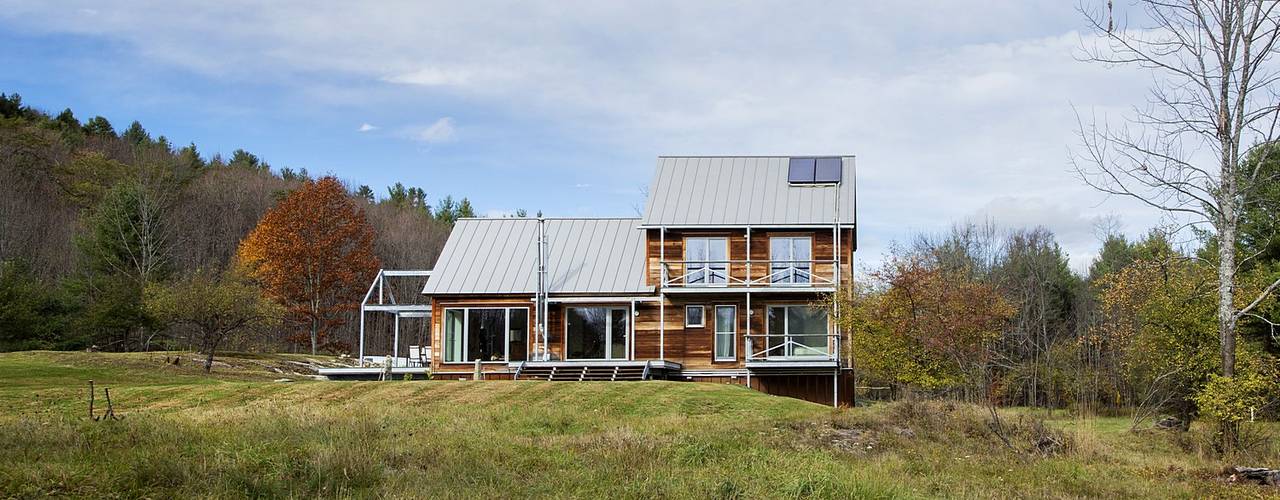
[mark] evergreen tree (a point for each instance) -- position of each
(365, 193)
(136, 135)
(189, 158)
(465, 210)
(66, 120)
(99, 126)
(244, 159)
(11, 106)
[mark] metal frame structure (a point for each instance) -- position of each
(386, 302)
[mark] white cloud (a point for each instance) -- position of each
(582, 185)
(431, 76)
(365, 127)
(952, 109)
(440, 131)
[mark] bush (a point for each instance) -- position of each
(1228, 401)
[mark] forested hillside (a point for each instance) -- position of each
(91, 216)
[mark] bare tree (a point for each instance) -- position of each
(1213, 103)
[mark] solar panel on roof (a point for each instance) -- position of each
(801, 171)
(827, 170)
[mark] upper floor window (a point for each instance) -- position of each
(790, 259)
(706, 260)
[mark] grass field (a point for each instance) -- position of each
(241, 432)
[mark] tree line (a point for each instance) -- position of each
(103, 232)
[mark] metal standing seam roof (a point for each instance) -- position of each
(725, 190)
(489, 256)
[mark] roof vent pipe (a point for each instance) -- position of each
(541, 297)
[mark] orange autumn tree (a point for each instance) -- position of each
(313, 252)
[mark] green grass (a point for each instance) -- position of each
(240, 433)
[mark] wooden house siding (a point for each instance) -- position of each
(823, 250)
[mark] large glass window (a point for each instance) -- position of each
(797, 331)
(517, 334)
(706, 261)
(596, 333)
(790, 259)
(726, 333)
(486, 334)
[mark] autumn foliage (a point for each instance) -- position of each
(313, 252)
(925, 325)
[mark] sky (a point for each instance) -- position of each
(955, 110)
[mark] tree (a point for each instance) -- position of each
(67, 120)
(925, 325)
(215, 305)
(136, 135)
(244, 159)
(313, 252)
(365, 193)
(126, 247)
(99, 127)
(1215, 87)
(32, 316)
(11, 106)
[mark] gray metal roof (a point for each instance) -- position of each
(500, 256)
(726, 190)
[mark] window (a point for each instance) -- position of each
(596, 333)
(797, 331)
(814, 170)
(706, 261)
(790, 259)
(726, 333)
(486, 334)
(693, 317)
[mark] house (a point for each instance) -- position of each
(720, 280)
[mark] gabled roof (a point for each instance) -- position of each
(737, 191)
(487, 256)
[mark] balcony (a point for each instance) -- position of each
(793, 350)
(782, 275)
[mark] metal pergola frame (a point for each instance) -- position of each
(386, 302)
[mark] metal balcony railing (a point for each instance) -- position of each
(748, 273)
(793, 347)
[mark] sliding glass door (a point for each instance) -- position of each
(797, 331)
(485, 334)
(596, 333)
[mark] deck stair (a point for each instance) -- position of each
(584, 372)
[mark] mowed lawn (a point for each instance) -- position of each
(240, 432)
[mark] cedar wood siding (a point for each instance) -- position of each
(823, 249)
(693, 347)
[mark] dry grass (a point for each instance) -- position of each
(237, 435)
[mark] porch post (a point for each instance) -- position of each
(662, 295)
(395, 341)
(360, 360)
(631, 335)
(835, 388)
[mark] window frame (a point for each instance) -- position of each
(786, 326)
(791, 277)
(466, 324)
(706, 265)
(702, 316)
(732, 334)
(608, 333)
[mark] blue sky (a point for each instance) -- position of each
(955, 110)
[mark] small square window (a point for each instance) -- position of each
(693, 317)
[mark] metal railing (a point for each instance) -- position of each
(748, 273)
(793, 347)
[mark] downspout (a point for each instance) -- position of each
(750, 347)
(542, 289)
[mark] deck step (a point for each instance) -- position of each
(583, 373)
